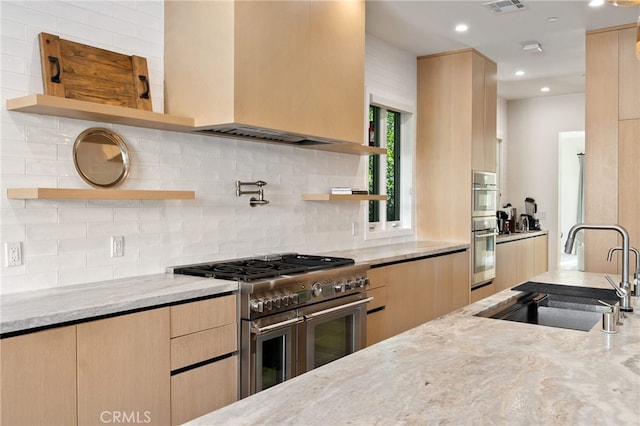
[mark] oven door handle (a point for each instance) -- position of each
(337, 308)
(486, 234)
(267, 328)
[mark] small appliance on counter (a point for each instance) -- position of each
(506, 219)
(529, 218)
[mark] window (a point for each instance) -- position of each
(385, 130)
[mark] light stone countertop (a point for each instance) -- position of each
(466, 370)
(33, 310)
(504, 238)
(400, 251)
(68, 304)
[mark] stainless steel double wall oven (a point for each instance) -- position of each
(483, 227)
(297, 312)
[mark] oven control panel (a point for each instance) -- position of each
(289, 298)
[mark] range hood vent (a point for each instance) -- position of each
(499, 7)
(256, 133)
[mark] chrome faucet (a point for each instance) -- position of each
(636, 275)
(625, 293)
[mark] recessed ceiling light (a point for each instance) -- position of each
(596, 3)
(461, 28)
(545, 89)
(519, 73)
(532, 46)
(552, 19)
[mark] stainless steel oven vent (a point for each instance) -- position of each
(255, 133)
(499, 7)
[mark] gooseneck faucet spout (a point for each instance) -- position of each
(625, 304)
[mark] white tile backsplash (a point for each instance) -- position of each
(67, 242)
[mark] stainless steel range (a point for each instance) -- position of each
(297, 312)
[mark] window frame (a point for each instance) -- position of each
(404, 173)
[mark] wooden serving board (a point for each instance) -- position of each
(77, 71)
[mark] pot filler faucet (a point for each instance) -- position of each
(624, 290)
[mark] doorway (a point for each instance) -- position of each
(571, 153)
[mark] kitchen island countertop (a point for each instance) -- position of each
(463, 369)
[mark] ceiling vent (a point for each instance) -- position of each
(499, 7)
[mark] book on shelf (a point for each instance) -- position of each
(341, 190)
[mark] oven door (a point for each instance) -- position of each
(484, 201)
(332, 330)
(268, 351)
(484, 257)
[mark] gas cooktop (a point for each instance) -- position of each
(261, 268)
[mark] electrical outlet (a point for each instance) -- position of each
(117, 246)
(13, 253)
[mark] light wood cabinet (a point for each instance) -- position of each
(38, 376)
(204, 360)
(296, 66)
(456, 133)
(612, 114)
(518, 261)
(123, 369)
(418, 291)
(377, 318)
(451, 283)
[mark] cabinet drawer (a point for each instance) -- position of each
(203, 389)
(203, 345)
(377, 277)
(379, 298)
(205, 314)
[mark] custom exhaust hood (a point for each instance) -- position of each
(272, 71)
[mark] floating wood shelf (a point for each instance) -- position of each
(83, 110)
(92, 111)
(96, 194)
(343, 197)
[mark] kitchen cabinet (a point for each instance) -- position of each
(293, 66)
(204, 361)
(456, 133)
(520, 260)
(377, 318)
(612, 102)
(38, 376)
(423, 289)
(451, 283)
(123, 368)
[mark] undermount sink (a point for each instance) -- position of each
(576, 308)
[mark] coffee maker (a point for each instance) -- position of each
(531, 208)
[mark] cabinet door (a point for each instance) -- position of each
(377, 324)
(506, 266)
(123, 369)
(452, 286)
(203, 389)
(410, 294)
(629, 199)
(38, 372)
(541, 249)
(524, 257)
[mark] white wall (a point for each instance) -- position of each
(67, 242)
(532, 170)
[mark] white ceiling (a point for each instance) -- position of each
(424, 27)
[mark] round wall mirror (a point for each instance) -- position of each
(101, 157)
